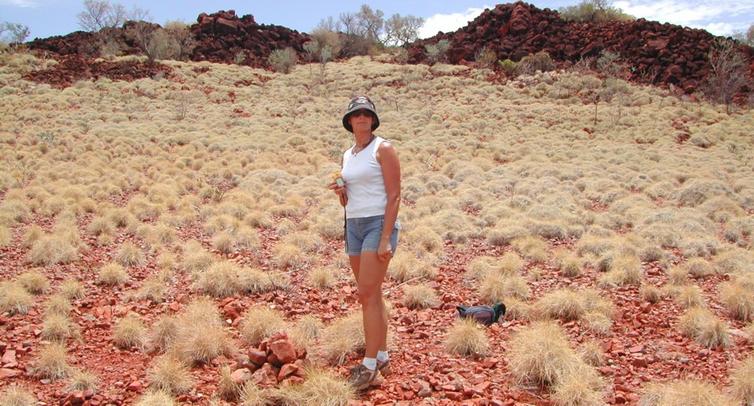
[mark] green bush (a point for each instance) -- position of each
(283, 60)
(540, 61)
(508, 66)
(436, 52)
(595, 11)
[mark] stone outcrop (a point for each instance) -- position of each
(655, 53)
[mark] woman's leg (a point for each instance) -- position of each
(369, 280)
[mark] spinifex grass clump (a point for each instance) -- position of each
(467, 338)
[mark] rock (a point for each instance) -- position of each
(134, 386)
(257, 357)
(424, 389)
(9, 359)
(6, 373)
(265, 376)
(75, 399)
(286, 371)
(284, 350)
(240, 376)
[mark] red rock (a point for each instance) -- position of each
(286, 371)
(240, 376)
(284, 350)
(265, 376)
(134, 386)
(9, 359)
(6, 373)
(454, 396)
(257, 357)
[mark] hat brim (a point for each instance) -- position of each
(375, 118)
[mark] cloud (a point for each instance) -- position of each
(713, 16)
(19, 3)
(448, 22)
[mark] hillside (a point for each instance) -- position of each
(122, 203)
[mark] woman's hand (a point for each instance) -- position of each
(384, 250)
(340, 191)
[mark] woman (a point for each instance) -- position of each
(371, 195)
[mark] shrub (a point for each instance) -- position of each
(170, 375)
(419, 297)
(283, 60)
(51, 362)
(34, 282)
(540, 354)
(467, 338)
(129, 332)
(741, 382)
(540, 61)
(72, 289)
(342, 337)
(14, 298)
(593, 10)
(437, 52)
(52, 250)
(728, 73)
(486, 58)
(687, 393)
(508, 66)
(112, 274)
(13, 395)
(261, 322)
(130, 255)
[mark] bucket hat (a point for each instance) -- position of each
(360, 103)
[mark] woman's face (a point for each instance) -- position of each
(361, 120)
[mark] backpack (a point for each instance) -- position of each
(482, 314)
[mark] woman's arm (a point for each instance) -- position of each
(391, 173)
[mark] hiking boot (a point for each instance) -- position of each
(383, 367)
(362, 377)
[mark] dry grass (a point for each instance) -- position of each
(57, 327)
(14, 298)
(683, 393)
(569, 264)
(532, 248)
(72, 289)
(406, 266)
(541, 354)
(153, 289)
(707, 330)
(496, 287)
(51, 362)
(253, 395)
(130, 255)
(741, 383)
(260, 322)
(343, 336)
(199, 335)
(322, 278)
(83, 381)
(156, 398)
(688, 296)
(170, 375)
(252, 280)
(699, 268)
(592, 353)
(13, 395)
(52, 250)
(466, 338)
(129, 332)
(34, 282)
(510, 263)
(162, 334)
(57, 304)
(419, 297)
(112, 274)
(220, 280)
(738, 299)
(564, 304)
(320, 387)
(306, 331)
(227, 389)
(650, 293)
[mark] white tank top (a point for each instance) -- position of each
(365, 185)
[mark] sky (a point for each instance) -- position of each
(58, 17)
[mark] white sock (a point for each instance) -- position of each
(382, 356)
(370, 363)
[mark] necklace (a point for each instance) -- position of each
(360, 147)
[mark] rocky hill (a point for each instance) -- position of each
(654, 52)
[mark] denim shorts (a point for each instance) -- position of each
(363, 234)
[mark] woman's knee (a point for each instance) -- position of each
(370, 293)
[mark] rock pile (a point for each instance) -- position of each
(225, 38)
(72, 68)
(655, 53)
(275, 361)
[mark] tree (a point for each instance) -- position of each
(747, 37)
(399, 31)
(13, 33)
(99, 14)
(369, 23)
(729, 70)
